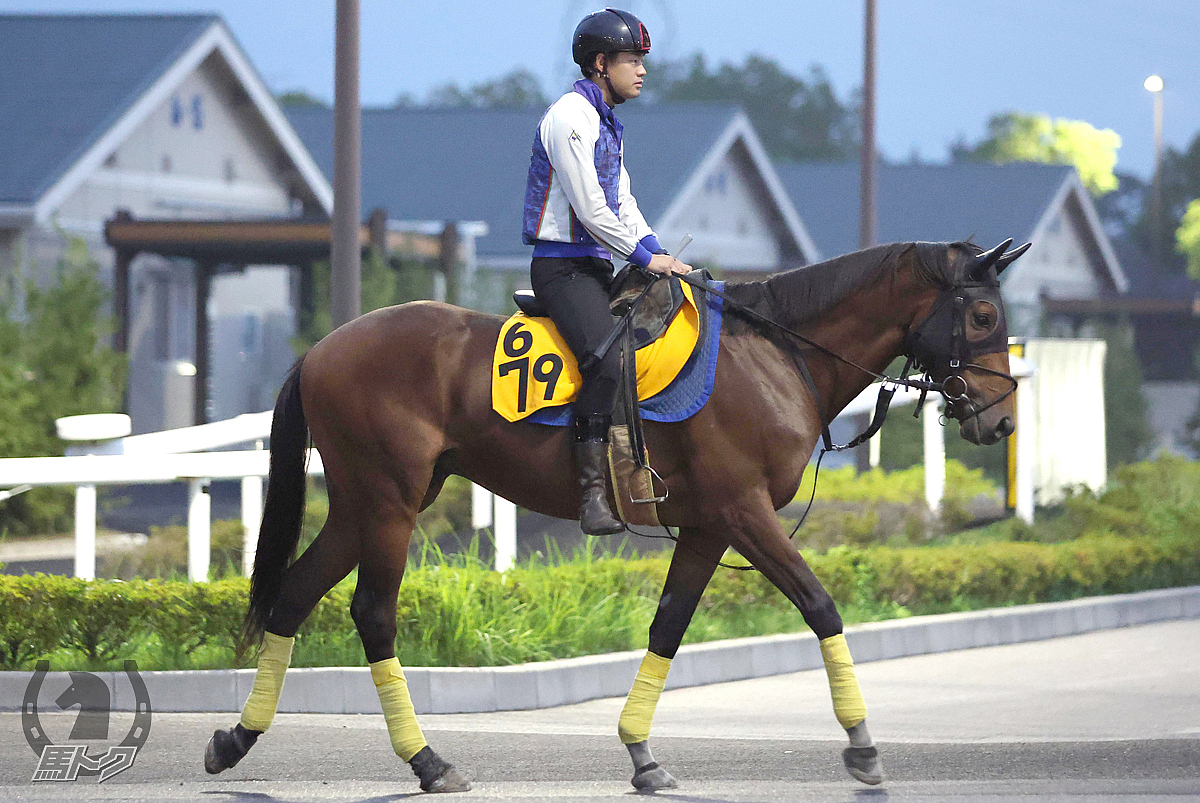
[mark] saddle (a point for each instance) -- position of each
(654, 312)
(654, 303)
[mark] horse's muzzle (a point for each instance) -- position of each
(974, 429)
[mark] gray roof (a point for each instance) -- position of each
(471, 164)
(77, 75)
(987, 203)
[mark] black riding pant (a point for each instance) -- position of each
(574, 291)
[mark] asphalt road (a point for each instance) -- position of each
(1106, 716)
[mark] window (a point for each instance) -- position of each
(176, 111)
(230, 170)
(166, 163)
(717, 183)
(197, 112)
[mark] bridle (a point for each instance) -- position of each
(926, 348)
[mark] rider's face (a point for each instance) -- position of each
(626, 71)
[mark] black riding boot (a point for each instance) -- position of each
(590, 451)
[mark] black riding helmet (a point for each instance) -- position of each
(608, 31)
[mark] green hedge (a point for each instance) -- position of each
(455, 612)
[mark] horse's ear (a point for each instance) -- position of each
(1010, 257)
(979, 266)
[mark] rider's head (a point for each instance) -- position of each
(609, 47)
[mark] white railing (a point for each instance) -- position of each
(173, 456)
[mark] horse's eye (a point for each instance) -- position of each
(981, 320)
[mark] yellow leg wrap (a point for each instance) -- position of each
(634, 725)
(848, 705)
(398, 713)
(273, 660)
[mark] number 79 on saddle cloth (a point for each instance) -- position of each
(533, 368)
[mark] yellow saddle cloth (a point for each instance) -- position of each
(533, 368)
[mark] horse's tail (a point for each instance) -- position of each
(283, 510)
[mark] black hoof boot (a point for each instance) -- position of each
(863, 764)
(435, 774)
(226, 748)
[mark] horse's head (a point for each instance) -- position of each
(963, 341)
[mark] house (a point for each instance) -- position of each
(696, 169)
(1047, 205)
(165, 117)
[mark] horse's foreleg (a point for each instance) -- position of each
(373, 610)
(692, 566)
(760, 539)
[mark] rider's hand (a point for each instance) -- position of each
(667, 264)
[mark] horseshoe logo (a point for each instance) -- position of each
(134, 740)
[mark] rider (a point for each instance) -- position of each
(578, 212)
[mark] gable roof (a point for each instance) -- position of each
(65, 120)
(471, 164)
(987, 203)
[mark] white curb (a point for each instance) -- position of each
(444, 690)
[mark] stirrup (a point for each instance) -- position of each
(652, 499)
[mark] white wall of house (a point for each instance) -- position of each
(1061, 264)
(205, 153)
(202, 153)
(727, 214)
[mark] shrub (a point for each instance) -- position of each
(455, 612)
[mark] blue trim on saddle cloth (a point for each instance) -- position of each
(686, 394)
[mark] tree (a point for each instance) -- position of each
(384, 283)
(797, 118)
(1127, 431)
(1187, 238)
(54, 362)
(520, 89)
(300, 98)
(1019, 137)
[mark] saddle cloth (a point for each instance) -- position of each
(533, 368)
(683, 397)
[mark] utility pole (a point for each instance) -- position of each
(867, 454)
(346, 254)
(867, 217)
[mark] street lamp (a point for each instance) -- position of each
(1154, 85)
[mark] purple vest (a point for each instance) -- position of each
(608, 169)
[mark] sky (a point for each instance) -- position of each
(944, 66)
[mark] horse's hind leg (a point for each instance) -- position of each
(759, 538)
(373, 609)
(692, 566)
(327, 560)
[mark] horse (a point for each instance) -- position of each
(397, 400)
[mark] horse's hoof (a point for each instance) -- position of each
(227, 747)
(652, 777)
(437, 774)
(451, 781)
(863, 764)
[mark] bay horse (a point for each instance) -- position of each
(399, 399)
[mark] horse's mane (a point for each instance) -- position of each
(801, 294)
